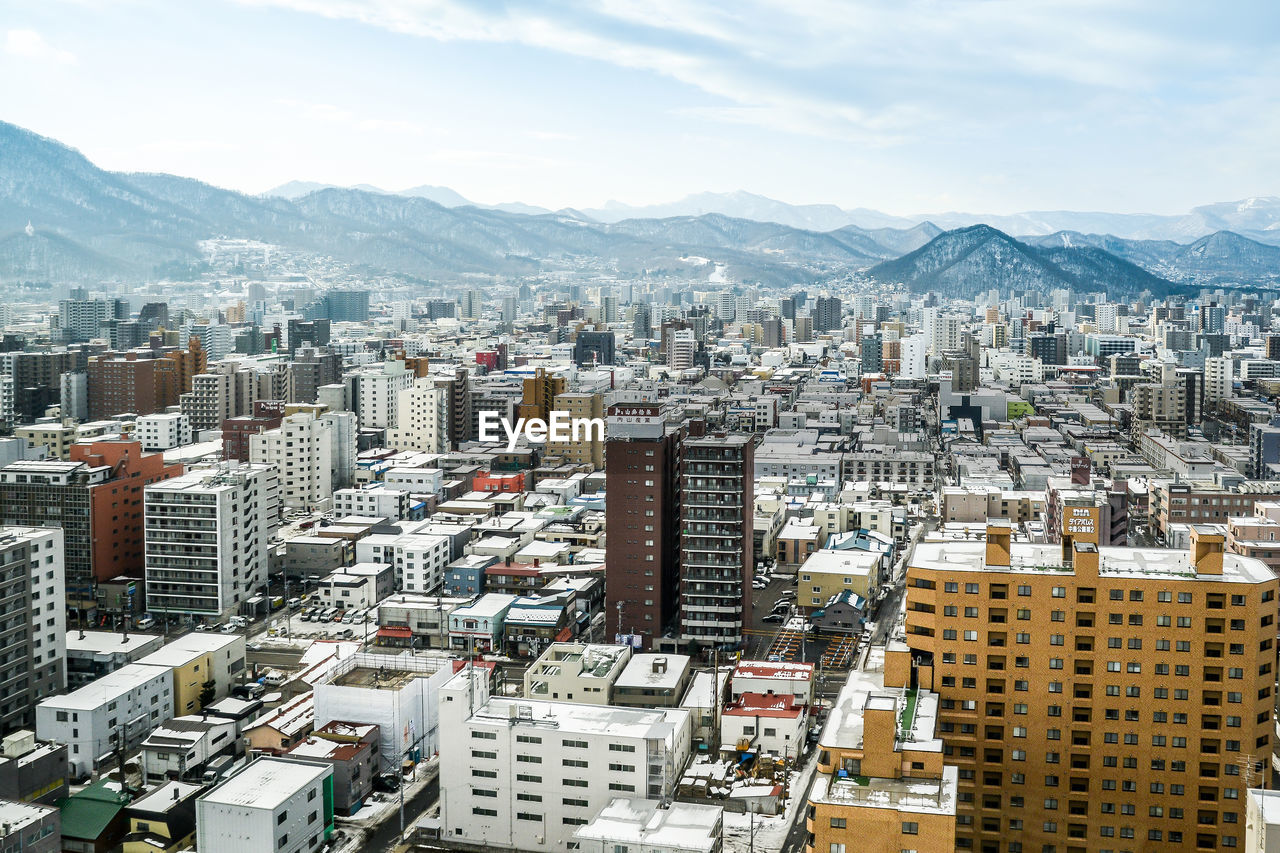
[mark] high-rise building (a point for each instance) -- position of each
(681, 347)
(96, 498)
(301, 451)
(422, 418)
(33, 630)
(82, 319)
(642, 515)
(225, 391)
(716, 493)
(593, 347)
(376, 392)
(1217, 379)
(206, 538)
(872, 354)
(587, 447)
(827, 314)
(804, 328)
(540, 391)
(1089, 694)
(347, 306)
(312, 368)
(135, 382)
(37, 380)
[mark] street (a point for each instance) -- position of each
(386, 836)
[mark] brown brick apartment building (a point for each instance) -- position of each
(1097, 699)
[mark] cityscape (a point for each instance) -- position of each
(336, 518)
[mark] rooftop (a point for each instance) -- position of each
(266, 783)
(574, 718)
(783, 669)
(1116, 562)
(109, 642)
(679, 826)
(661, 672)
(109, 687)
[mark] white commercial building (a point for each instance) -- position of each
(301, 450)
(206, 538)
(91, 721)
(274, 806)
(164, 431)
(525, 774)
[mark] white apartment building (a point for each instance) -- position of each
(163, 431)
(206, 538)
(377, 393)
(6, 402)
(682, 346)
(526, 773)
(301, 451)
(421, 418)
(91, 721)
(74, 396)
(915, 350)
(34, 641)
(274, 805)
(1217, 378)
(372, 500)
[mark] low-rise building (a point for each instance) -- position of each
(32, 771)
(828, 572)
(351, 749)
(162, 820)
(576, 672)
(653, 681)
(525, 773)
(759, 723)
(93, 654)
(360, 586)
(29, 828)
(272, 805)
(782, 678)
(181, 748)
(117, 711)
(205, 666)
(653, 827)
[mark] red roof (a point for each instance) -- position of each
(764, 705)
(781, 669)
(521, 571)
(399, 631)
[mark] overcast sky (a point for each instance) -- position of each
(909, 107)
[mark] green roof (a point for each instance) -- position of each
(87, 814)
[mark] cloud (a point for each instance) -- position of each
(29, 44)
(323, 112)
(876, 72)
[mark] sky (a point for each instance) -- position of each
(904, 106)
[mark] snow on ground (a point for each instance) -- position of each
(717, 274)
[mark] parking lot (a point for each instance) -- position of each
(784, 638)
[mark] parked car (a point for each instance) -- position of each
(773, 617)
(295, 603)
(348, 617)
(386, 783)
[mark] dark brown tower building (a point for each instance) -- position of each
(642, 516)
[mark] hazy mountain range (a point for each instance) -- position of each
(1258, 218)
(63, 220)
